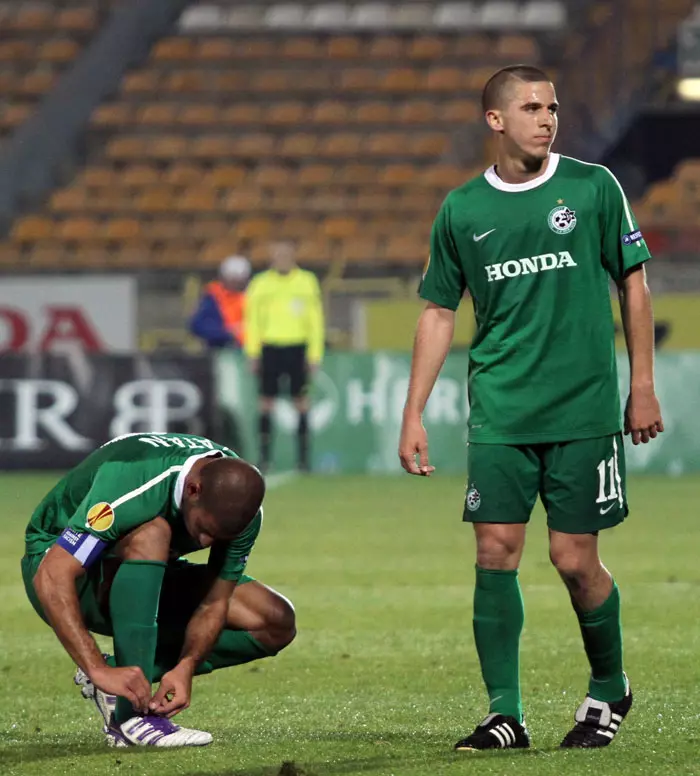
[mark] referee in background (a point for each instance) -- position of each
(284, 341)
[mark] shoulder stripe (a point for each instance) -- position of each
(625, 203)
(146, 486)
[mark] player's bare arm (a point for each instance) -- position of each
(642, 414)
(174, 693)
(431, 346)
(55, 585)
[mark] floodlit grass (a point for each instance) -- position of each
(383, 677)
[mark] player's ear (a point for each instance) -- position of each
(494, 120)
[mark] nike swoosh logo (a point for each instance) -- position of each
(479, 237)
(607, 509)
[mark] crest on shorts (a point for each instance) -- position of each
(562, 220)
(100, 517)
(473, 499)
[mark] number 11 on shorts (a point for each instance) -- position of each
(608, 470)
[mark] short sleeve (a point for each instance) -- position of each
(120, 499)
(624, 247)
(237, 552)
(443, 280)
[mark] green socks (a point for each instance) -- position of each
(498, 621)
(133, 607)
(602, 639)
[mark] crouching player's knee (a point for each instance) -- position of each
(281, 623)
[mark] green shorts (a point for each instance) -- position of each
(581, 483)
(184, 586)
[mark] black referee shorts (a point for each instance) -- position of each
(283, 363)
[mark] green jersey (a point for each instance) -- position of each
(536, 259)
(123, 484)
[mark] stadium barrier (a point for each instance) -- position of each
(358, 400)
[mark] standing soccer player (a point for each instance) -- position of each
(534, 239)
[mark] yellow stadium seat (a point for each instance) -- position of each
(397, 175)
(141, 82)
(250, 228)
(115, 115)
(386, 144)
(473, 46)
(242, 200)
(199, 115)
(358, 79)
(340, 227)
(341, 144)
(32, 228)
(271, 81)
(417, 112)
(376, 201)
(165, 230)
(198, 200)
(15, 114)
(255, 146)
(76, 19)
(344, 47)
(317, 80)
(37, 82)
(330, 112)
(158, 199)
(314, 250)
(357, 174)
(11, 255)
(443, 176)
(47, 255)
(517, 47)
(286, 113)
(296, 227)
(302, 48)
(167, 147)
(315, 175)
(183, 81)
(16, 50)
(405, 249)
(79, 229)
(428, 144)
(122, 229)
(138, 175)
(460, 111)
(216, 49)
(158, 114)
(384, 47)
(242, 114)
(129, 256)
(401, 79)
(59, 50)
(225, 176)
(212, 254)
(206, 229)
(68, 200)
(299, 144)
(271, 176)
(169, 49)
(360, 250)
(257, 48)
(31, 17)
(97, 177)
(375, 113)
(444, 79)
(427, 47)
(183, 174)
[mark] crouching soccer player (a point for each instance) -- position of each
(103, 555)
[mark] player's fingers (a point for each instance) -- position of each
(660, 424)
(644, 435)
(635, 437)
(408, 461)
(652, 431)
(159, 698)
(423, 457)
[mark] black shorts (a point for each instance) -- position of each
(286, 362)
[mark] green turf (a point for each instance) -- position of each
(382, 678)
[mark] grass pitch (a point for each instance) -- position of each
(383, 677)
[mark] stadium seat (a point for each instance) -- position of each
(358, 79)
(314, 250)
(168, 147)
(204, 229)
(360, 250)
(252, 228)
(33, 17)
(340, 227)
(32, 229)
(406, 249)
(303, 48)
(271, 81)
(517, 47)
(386, 47)
(139, 175)
(355, 174)
(344, 47)
(432, 144)
(199, 115)
(214, 49)
(68, 200)
(37, 83)
(158, 199)
(75, 19)
(444, 79)
(210, 147)
(375, 113)
(241, 114)
(122, 229)
(401, 79)
(417, 112)
(299, 145)
(79, 230)
(173, 49)
(427, 47)
(271, 176)
(397, 175)
(59, 50)
(460, 112)
(385, 144)
(141, 82)
(286, 113)
(197, 200)
(112, 115)
(341, 144)
(225, 176)
(330, 112)
(242, 200)
(315, 175)
(165, 230)
(97, 177)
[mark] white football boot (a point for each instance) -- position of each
(151, 730)
(105, 703)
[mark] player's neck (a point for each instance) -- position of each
(513, 169)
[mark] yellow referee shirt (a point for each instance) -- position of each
(284, 310)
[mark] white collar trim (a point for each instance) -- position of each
(185, 470)
(492, 177)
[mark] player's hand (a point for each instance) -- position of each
(312, 369)
(643, 415)
(174, 693)
(414, 442)
(129, 682)
(254, 366)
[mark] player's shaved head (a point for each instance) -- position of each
(498, 88)
(232, 492)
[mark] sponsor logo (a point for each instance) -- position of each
(100, 517)
(542, 263)
(607, 509)
(479, 237)
(628, 239)
(561, 220)
(473, 499)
